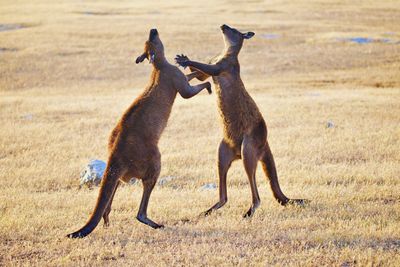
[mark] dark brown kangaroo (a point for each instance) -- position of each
(245, 132)
(133, 144)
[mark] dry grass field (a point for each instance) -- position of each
(67, 73)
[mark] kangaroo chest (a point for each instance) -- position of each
(237, 109)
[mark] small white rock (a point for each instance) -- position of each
(93, 173)
(211, 186)
(133, 181)
(314, 94)
(165, 180)
(27, 117)
(330, 124)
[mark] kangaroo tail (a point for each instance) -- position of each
(268, 164)
(107, 187)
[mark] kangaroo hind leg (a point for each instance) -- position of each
(149, 181)
(226, 155)
(250, 156)
(268, 163)
(108, 208)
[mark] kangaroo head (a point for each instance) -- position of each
(153, 49)
(234, 38)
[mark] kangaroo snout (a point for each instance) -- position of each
(153, 33)
(224, 27)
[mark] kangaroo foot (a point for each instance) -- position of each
(249, 213)
(206, 213)
(149, 222)
(217, 205)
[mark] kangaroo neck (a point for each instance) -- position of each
(159, 86)
(231, 51)
(160, 62)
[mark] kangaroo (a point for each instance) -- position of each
(245, 131)
(133, 144)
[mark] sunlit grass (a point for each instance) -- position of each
(66, 78)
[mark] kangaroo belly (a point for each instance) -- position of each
(238, 111)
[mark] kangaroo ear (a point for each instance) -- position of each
(141, 58)
(248, 35)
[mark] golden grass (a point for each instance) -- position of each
(69, 74)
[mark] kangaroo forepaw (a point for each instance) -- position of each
(209, 89)
(182, 60)
(182, 57)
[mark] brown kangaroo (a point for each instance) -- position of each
(133, 144)
(245, 132)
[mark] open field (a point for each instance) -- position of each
(67, 73)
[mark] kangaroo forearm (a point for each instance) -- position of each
(192, 69)
(201, 76)
(212, 70)
(192, 75)
(191, 91)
